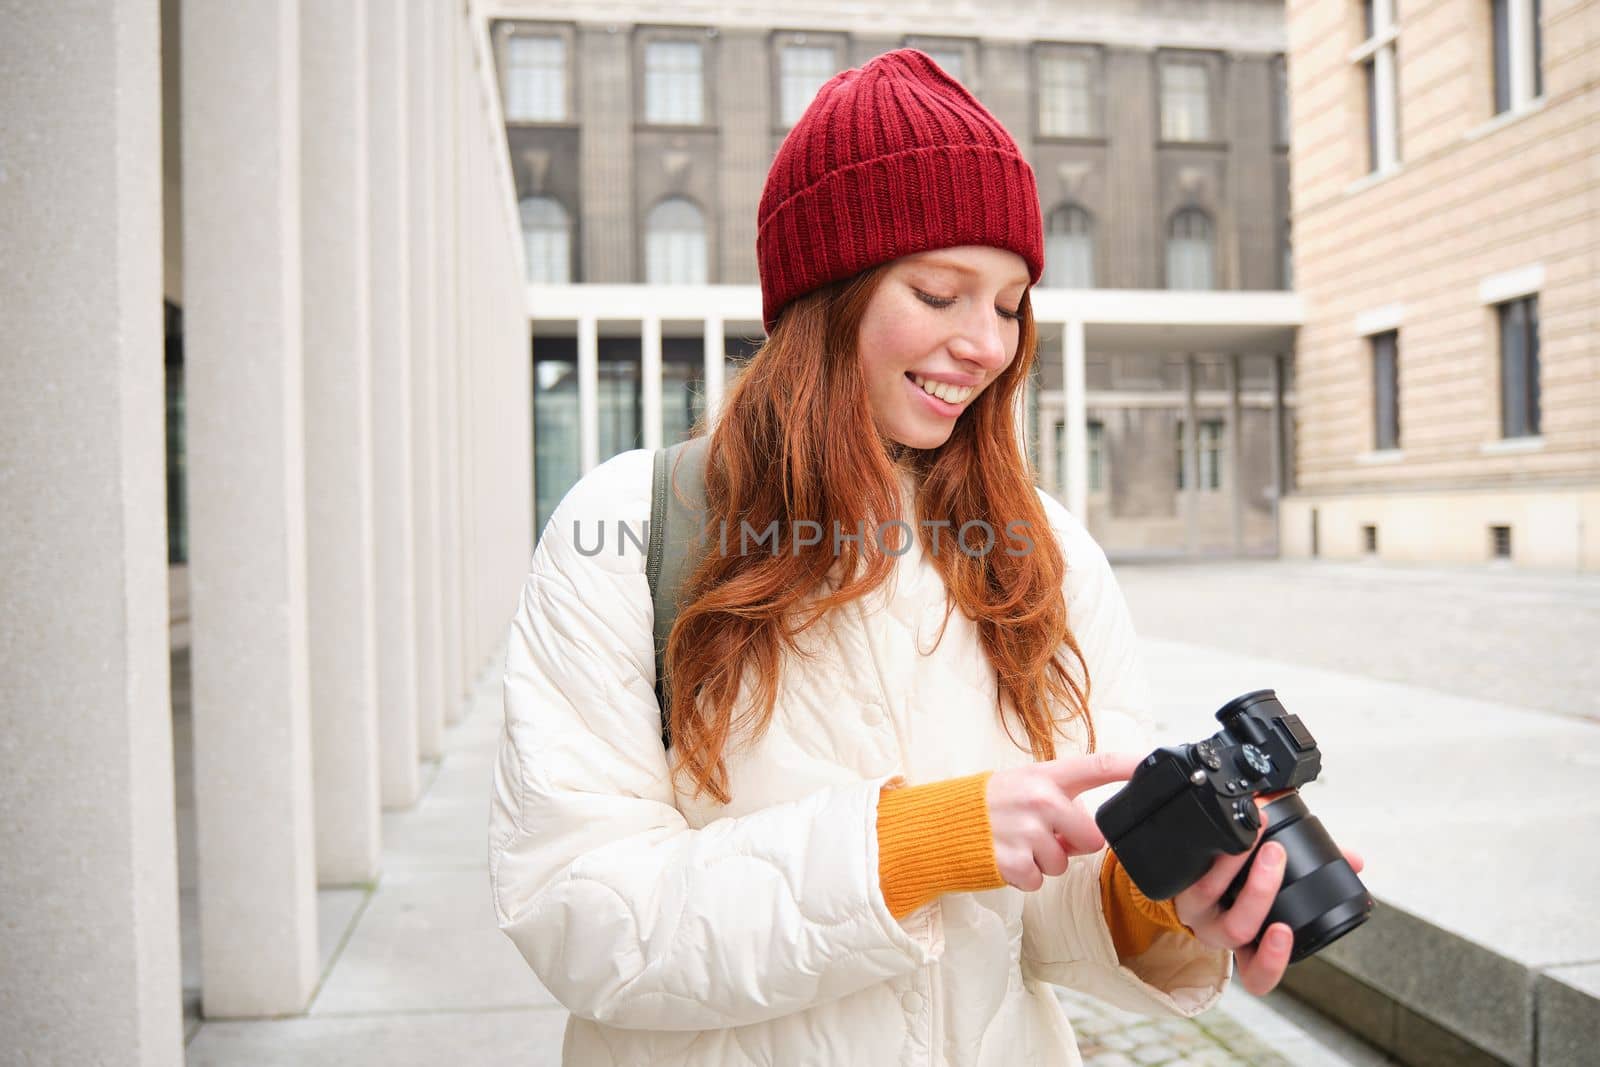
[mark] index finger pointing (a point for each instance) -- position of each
(1074, 774)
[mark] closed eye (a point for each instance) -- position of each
(946, 301)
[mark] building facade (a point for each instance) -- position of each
(640, 136)
(1445, 203)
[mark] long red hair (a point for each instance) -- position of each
(790, 446)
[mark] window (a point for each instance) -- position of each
(1376, 57)
(1066, 100)
(1189, 251)
(1096, 453)
(804, 69)
(675, 244)
(536, 79)
(1519, 367)
(1369, 539)
(1518, 53)
(1210, 455)
(546, 240)
(673, 93)
(1185, 101)
(950, 60)
(1280, 78)
(1385, 390)
(1097, 456)
(1069, 249)
(1500, 542)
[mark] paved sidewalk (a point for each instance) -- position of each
(1515, 638)
(1458, 712)
(416, 973)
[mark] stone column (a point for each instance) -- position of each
(716, 366)
(650, 379)
(1191, 457)
(420, 93)
(247, 514)
(1235, 447)
(88, 853)
(588, 394)
(1280, 464)
(1074, 387)
(336, 251)
(448, 17)
(393, 549)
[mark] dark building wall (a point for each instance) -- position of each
(614, 167)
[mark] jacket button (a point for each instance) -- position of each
(912, 1002)
(872, 714)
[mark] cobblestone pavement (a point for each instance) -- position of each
(1517, 637)
(1111, 1037)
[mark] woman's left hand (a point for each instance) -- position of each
(1199, 908)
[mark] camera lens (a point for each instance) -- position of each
(1321, 898)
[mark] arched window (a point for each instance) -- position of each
(546, 240)
(1069, 249)
(675, 244)
(1190, 251)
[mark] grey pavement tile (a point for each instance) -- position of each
(428, 942)
(1430, 628)
(1416, 780)
(1295, 1031)
(464, 777)
(527, 1037)
(439, 833)
(480, 728)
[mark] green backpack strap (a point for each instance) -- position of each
(674, 529)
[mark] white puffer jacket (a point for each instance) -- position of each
(680, 931)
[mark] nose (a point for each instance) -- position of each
(983, 342)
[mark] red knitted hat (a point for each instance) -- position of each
(890, 158)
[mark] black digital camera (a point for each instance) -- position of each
(1188, 804)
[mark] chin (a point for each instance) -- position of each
(924, 438)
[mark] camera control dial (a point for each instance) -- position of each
(1244, 812)
(1254, 762)
(1206, 753)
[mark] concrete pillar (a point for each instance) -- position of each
(1191, 458)
(650, 379)
(716, 367)
(1075, 394)
(464, 278)
(1279, 455)
(1234, 444)
(420, 94)
(1049, 460)
(588, 394)
(394, 547)
(88, 853)
(247, 510)
(336, 251)
(448, 17)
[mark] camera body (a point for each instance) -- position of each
(1187, 804)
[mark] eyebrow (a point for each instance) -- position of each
(950, 264)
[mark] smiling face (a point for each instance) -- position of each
(940, 328)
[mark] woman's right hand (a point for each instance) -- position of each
(1037, 819)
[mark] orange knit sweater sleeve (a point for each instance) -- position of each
(1134, 919)
(935, 839)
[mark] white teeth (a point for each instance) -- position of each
(950, 394)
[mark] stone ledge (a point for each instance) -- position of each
(1568, 1005)
(1428, 996)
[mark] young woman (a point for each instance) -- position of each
(863, 845)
